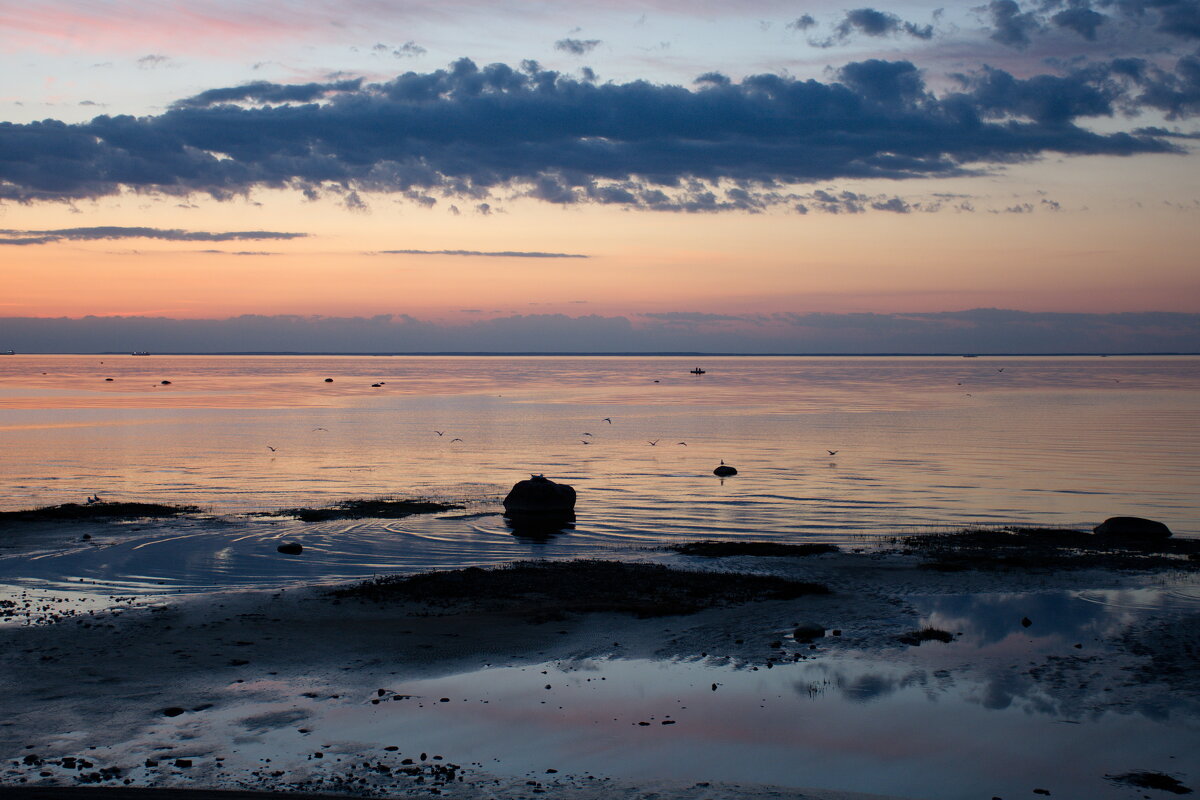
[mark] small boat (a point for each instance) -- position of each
(140, 353)
(697, 371)
(7, 353)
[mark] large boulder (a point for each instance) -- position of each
(540, 496)
(1134, 529)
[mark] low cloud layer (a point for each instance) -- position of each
(978, 331)
(479, 134)
(108, 232)
(496, 254)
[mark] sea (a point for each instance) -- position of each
(846, 450)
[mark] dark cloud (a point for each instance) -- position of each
(976, 331)
(476, 134)
(879, 23)
(802, 23)
(497, 254)
(1011, 26)
(577, 47)
(108, 232)
(1180, 18)
(152, 60)
(265, 92)
(239, 252)
(1081, 19)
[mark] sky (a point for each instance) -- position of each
(761, 176)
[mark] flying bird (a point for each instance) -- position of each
(654, 443)
(1000, 370)
(440, 433)
(452, 441)
(682, 443)
(320, 429)
(272, 449)
(584, 441)
(585, 433)
(608, 420)
(833, 452)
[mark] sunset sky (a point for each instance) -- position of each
(475, 175)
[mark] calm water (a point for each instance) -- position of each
(921, 443)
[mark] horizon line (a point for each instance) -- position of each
(629, 353)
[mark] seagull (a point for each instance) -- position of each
(440, 433)
(682, 443)
(452, 441)
(1000, 370)
(320, 429)
(608, 420)
(272, 449)
(584, 441)
(833, 452)
(654, 443)
(585, 433)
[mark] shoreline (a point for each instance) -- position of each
(257, 666)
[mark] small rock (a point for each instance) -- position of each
(329, 380)
(166, 383)
(724, 470)
(183, 762)
(291, 548)
(173, 711)
(1026, 622)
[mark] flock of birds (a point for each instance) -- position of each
(651, 442)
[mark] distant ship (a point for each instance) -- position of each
(140, 353)
(697, 371)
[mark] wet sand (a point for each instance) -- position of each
(242, 690)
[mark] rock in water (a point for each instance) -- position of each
(724, 470)
(291, 548)
(1133, 528)
(540, 495)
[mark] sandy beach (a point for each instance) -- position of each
(293, 690)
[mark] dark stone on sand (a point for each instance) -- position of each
(1133, 528)
(166, 383)
(183, 762)
(807, 631)
(108, 379)
(329, 380)
(173, 711)
(540, 495)
(291, 548)
(724, 471)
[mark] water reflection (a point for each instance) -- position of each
(539, 527)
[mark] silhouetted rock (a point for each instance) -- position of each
(807, 631)
(329, 380)
(540, 495)
(291, 548)
(1133, 528)
(724, 470)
